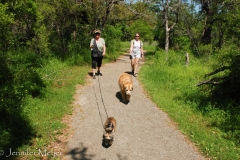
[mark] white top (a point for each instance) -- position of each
(100, 43)
(136, 45)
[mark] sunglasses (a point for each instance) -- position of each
(137, 36)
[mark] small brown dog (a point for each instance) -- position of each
(126, 86)
(110, 128)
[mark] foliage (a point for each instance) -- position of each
(78, 49)
(5, 20)
(228, 87)
(112, 39)
(182, 43)
(144, 29)
(19, 79)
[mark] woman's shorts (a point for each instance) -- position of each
(96, 62)
(132, 56)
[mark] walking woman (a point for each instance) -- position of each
(98, 50)
(136, 52)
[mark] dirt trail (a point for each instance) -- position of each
(144, 132)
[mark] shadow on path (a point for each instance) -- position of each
(120, 157)
(80, 153)
(119, 96)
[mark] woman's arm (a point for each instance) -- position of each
(131, 46)
(91, 44)
(104, 50)
(142, 50)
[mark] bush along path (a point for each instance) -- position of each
(143, 130)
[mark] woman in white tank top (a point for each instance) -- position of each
(136, 52)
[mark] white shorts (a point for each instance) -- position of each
(136, 55)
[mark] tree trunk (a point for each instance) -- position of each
(167, 28)
(187, 59)
(221, 34)
(110, 5)
(207, 33)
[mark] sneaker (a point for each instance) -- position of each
(98, 73)
(94, 77)
(136, 74)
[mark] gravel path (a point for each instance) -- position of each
(143, 131)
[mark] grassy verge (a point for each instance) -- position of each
(45, 113)
(172, 86)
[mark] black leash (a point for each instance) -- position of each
(102, 97)
(98, 106)
(102, 102)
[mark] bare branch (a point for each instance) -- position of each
(132, 10)
(218, 70)
(213, 81)
(173, 26)
(207, 82)
(110, 6)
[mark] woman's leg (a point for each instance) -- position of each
(136, 66)
(94, 65)
(94, 72)
(99, 64)
(132, 65)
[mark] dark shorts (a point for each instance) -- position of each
(96, 62)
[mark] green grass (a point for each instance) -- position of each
(46, 112)
(172, 86)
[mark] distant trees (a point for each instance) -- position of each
(47, 27)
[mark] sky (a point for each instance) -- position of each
(197, 7)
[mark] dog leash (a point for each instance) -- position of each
(98, 105)
(102, 97)
(102, 101)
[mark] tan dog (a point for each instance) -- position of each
(126, 86)
(110, 128)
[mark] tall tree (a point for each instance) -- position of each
(209, 13)
(167, 7)
(168, 12)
